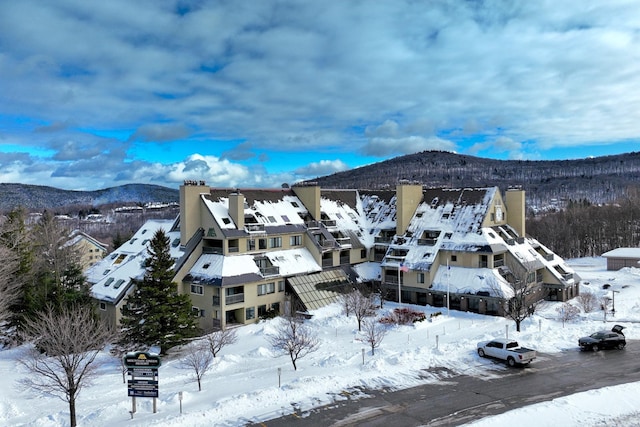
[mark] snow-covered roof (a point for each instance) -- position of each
(623, 253)
(110, 277)
(268, 207)
(214, 268)
(471, 281)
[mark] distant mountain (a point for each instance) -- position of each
(36, 197)
(598, 179)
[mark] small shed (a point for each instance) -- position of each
(622, 257)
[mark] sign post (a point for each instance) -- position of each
(143, 368)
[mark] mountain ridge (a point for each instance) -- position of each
(604, 179)
(39, 197)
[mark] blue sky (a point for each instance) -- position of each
(261, 93)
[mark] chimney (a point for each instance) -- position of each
(309, 195)
(515, 202)
(236, 208)
(408, 197)
(190, 220)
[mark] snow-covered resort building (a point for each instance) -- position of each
(242, 254)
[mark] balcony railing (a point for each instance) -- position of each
(328, 222)
(382, 239)
(398, 258)
(211, 250)
(343, 241)
(234, 299)
(427, 242)
(254, 228)
(272, 270)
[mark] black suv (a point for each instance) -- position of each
(604, 339)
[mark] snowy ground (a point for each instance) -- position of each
(243, 387)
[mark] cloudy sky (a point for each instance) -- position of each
(264, 92)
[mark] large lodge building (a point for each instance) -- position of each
(242, 254)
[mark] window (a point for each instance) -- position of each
(295, 240)
(103, 306)
(454, 258)
(262, 310)
(266, 288)
(271, 218)
(280, 285)
(295, 204)
(420, 277)
(275, 242)
(197, 289)
(226, 221)
(197, 312)
(275, 307)
(251, 245)
(262, 243)
(363, 253)
(285, 218)
(250, 313)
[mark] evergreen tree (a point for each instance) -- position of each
(58, 279)
(155, 313)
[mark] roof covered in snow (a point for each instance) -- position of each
(631, 253)
(111, 277)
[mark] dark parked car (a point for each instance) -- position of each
(604, 339)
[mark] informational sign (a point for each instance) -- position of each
(143, 388)
(141, 360)
(143, 369)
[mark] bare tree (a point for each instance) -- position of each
(374, 332)
(527, 292)
(363, 306)
(62, 358)
(294, 338)
(219, 339)
(118, 351)
(199, 359)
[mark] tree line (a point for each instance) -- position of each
(584, 229)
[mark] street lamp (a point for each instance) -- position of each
(613, 302)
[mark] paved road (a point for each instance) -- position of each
(459, 399)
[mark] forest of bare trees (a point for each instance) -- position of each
(583, 229)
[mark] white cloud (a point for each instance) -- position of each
(381, 79)
(323, 167)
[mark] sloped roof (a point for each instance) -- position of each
(319, 289)
(628, 253)
(111, 277)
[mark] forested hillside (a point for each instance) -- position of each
(598, 180)
(39, 197)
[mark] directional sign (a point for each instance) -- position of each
(142, 393)
(143, 388)
(141, 360)
(143, 372)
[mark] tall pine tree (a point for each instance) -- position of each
(155, 313)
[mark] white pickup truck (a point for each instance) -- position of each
(507, 350)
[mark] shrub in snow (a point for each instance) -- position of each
(404, 316)
(588, 301)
